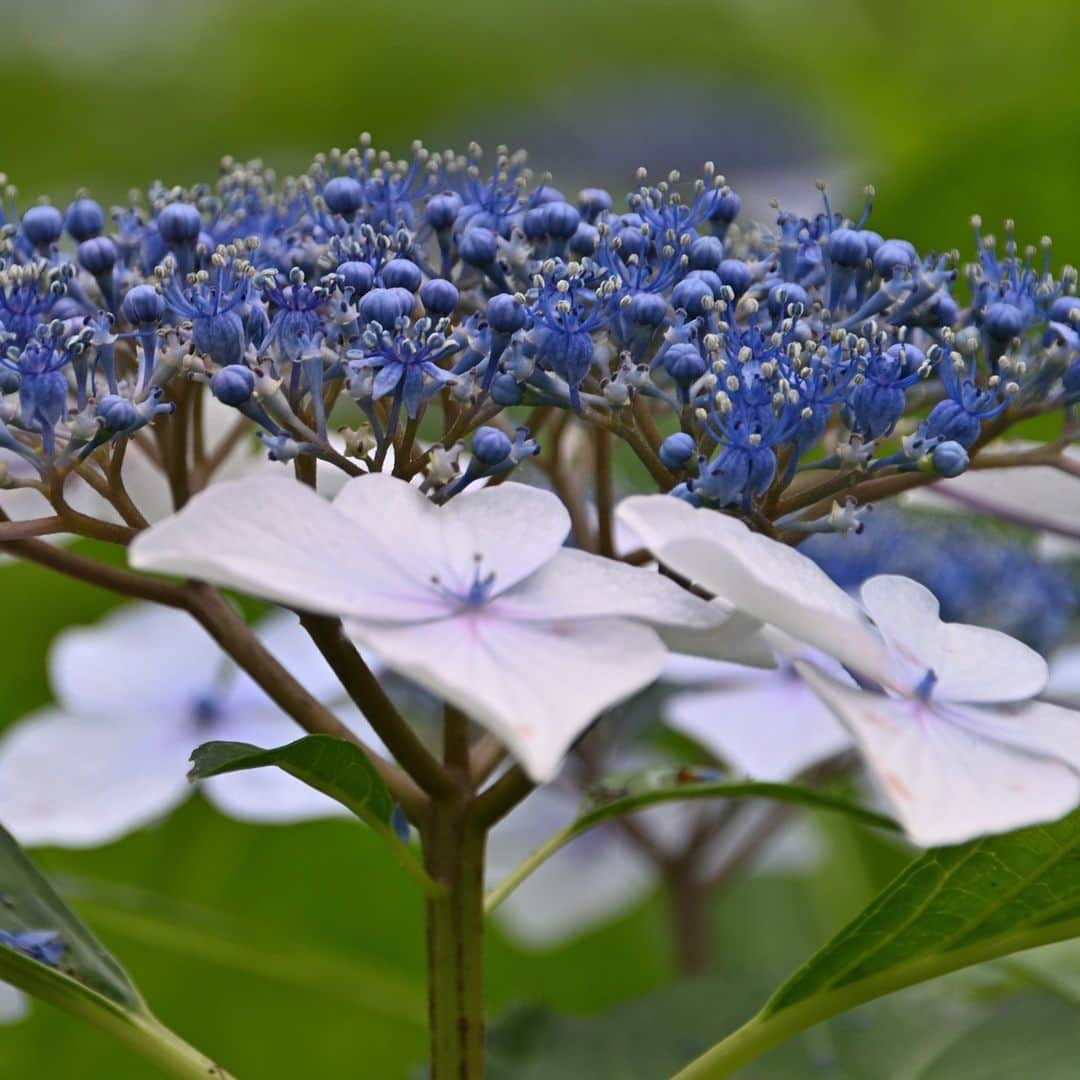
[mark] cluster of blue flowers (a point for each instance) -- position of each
(980, 575)
(730, 356)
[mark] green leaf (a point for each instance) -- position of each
(950, 908)
(337, 768)
(85, 980)
(617, 796)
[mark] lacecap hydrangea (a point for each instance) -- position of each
(728, 356)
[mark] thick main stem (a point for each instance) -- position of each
(454, 856)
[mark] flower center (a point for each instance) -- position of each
(478, 592)
(925, 686)
(206, 711)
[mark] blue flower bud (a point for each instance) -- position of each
(233, 385)
(1003, 321)
(143, 306)
(478, 247)
(534, 223)
(684, 494)
(548, 194)
(442, 210)
(684, 363)
(42, 225)
(847, 247)
(736, 275)
(403, 274)
(490, 446)
(691, 295)
(676, 450)
(9, 380)
(84, 220)
(439, 296)
(561, 220)
(593, 202)
(504, 314)
(221, 337)
(876, 408)
(357, 276)
(506, 390)
(256, 324)
(179, 224)
(1061, 310)
(907, 357)
(97, 256)
(385, 306)
(784, 295)
(585, 241)
(951, 422)
(950, 459)
(706, 253)
(894, 256)
(343, 195)
(725, 208)
(711, 278)
(647, 309)
(941, 309)
(117, 413)
(1070, 380)
(631, 241)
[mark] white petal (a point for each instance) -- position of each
(1040, 494)
(770, 727)
(908, 615)
(276, 538)
(946, 784)
(740, 640)
(594, 879)
(145, 662)
(80, 783)
(1036, 727)
(683, 669)
(577, 585)
(972, 663)
(14, 1004)
(761, 577)
(1064, 684)
(588, 883)
(508, 531)
(284, 637)
(536, 686)
(269, 797)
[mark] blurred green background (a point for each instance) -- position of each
(297, 951)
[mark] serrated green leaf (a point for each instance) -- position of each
(86, 980)
(628, 793)
(337, 768)
(333, 766)
(29, 903)
(950, 908)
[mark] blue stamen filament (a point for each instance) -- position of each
(926, 685)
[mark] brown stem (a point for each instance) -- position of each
(364, 689)
(605, 499)
(688, 918)
(27, 530)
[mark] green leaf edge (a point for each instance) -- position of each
(207, 761)
(691, 789)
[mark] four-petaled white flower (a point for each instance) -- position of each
(946, 722)
(766, 724)
(136, 694)
(477, 601)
